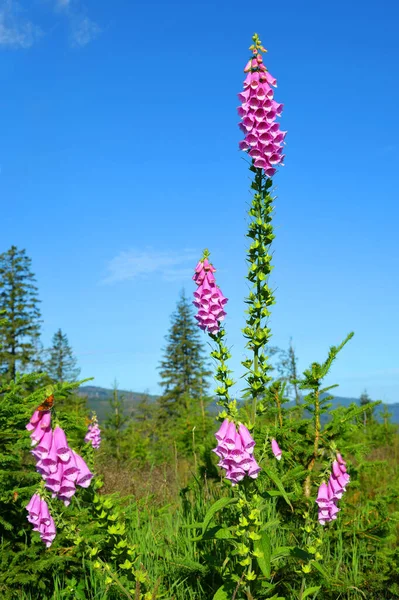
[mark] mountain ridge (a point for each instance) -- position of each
(98, 400)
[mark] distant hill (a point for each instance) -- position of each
(98, 400)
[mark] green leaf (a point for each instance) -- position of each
(218, 505)
(280, 552)
(263, 545)
(221, 594)
(276, 480)
(215, 533)
(310, 591)
(301, 554)
(318, 566)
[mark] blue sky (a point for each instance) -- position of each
(119, 164)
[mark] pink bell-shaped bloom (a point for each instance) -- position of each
(323, 496)
(67, 488)
(333, 511)
(51, 461)
(336, 488)
(45, 516)
(208, 298)
(276, 450)
(258, 113)
(254, 469)
(230, 437)
(38, 433)
(70, 469)
(45, 444)
(235, 452)
(53, 480)
(45, 421)
(33, 508)
(35, 418)
(39, 516)
(221, 433)
(85, 475)
(61, 444)
(335, 469)
(247, 439)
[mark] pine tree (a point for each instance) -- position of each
(115, 426)
(183, 370)
(20, 330)
(364, 401)
(287, 369)
(62, 364)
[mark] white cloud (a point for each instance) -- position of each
(15, 30)
(83, 31)
(170, 266)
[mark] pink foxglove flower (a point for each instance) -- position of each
(276, 450)
(93, 434)
(263, 139)
(61, 468)
(84, 475)
(39, 516)
(329, 494)
(235, 450)
(208, 298)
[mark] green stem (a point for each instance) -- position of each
(316, 442)
(258, 334)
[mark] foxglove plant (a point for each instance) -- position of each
(329, 494)
(93, 434)
(235, 445)
(60, 467)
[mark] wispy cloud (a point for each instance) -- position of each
(83, 30)
(16, 31)
(131, 264)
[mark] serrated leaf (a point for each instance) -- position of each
(263, 545)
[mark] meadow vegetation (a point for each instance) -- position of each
(164, 515)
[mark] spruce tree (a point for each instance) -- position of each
(364, 401)
(19, 304)
(61, 364)
(183, 370)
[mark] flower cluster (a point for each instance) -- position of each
(39, 516)
(235, 450)
(263, 138)
(208, 298)
(330, 493)
(93, 434)
(61, 468)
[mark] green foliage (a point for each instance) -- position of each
(19, 304)
(184, 379)
(61, 364)
(183, 369)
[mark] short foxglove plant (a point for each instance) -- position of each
(60, 467)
